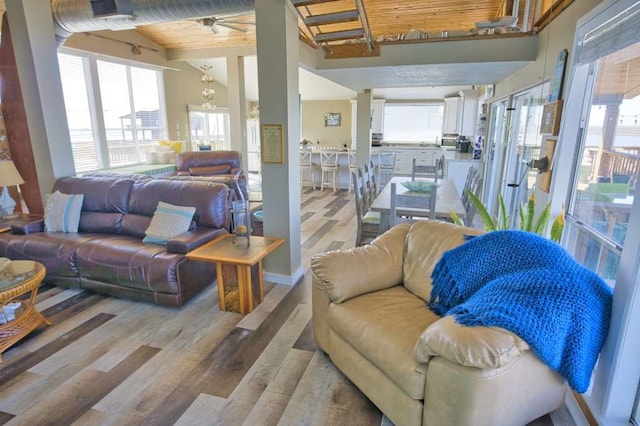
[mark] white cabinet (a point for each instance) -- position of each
(377, 116)
(405, 156)
(460, 114)
(452, 114)
(469, 113)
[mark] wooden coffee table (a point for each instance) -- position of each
(17, 279)
(239, 269)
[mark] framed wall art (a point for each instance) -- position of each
(551, 113)
(333, 119)
(272, 144)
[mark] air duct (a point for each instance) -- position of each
(76, 16)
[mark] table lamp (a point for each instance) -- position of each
(9, 176)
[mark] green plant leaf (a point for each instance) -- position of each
(531, 212)
(503, 213)
(558, 226)
(456, 219)
(482, 212)
(521, 214)
(543, 219)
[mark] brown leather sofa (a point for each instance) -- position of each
(108, 256)
(213, 166)
(369, 316)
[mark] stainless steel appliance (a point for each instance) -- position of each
(376, 139)
(450, 140)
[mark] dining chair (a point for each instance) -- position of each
(386, 166)
(368, 223)
(352, 165)
(473, 182)
(422, 204)
(373, 178)
(434, 171)
(369, 182)
(328, 166)
(307, 166)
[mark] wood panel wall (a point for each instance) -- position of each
(15, 120)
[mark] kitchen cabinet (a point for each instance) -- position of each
(406, 154)
(377, 116)
(460, 114)
(452, 115)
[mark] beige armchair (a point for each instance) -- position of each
(369, 316)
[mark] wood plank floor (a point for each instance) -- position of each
(108, 361)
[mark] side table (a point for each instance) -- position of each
(239, 269)
(21, 219)
(18, 278)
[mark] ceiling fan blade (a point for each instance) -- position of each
(214, 29)
(235, 21)
(233, 27)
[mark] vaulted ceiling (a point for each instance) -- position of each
(388, 20)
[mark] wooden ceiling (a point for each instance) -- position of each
(386, 18)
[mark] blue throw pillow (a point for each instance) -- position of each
(62, 213)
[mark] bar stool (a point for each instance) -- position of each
(306, 165)
(328, 165)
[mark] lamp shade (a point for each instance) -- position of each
(9, 175)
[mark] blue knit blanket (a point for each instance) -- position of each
(532, 287)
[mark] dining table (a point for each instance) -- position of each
(447, 200)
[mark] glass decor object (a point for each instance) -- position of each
(418, 185)
(241, 221)
(9, 176)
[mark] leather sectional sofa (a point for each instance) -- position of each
(369, 316)
(212, 166)
(107, 254)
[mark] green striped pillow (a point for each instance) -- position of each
(62, 213)
(167, 222)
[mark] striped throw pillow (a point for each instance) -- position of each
(167, 222)
(62, 213)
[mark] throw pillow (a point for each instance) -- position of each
(210, 170)
(167, 222)
(175, 146)
(62, 212)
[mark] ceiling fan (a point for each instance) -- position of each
(213, 22)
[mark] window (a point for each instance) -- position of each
(413, 122)
(603, 216)
(115, 111)
(524, 146)
(209, 128)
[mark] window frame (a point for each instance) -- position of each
(615, 380)
(391, 104)
(94, 97)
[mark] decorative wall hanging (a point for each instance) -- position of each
(272, 144)
(558, 76)
(333, 119)
(208, 92)
(551, 113)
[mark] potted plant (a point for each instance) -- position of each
(528, 221)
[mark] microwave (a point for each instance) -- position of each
(450, 140)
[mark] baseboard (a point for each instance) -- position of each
(284, 279)
(576, 406)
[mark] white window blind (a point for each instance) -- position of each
(412, 122)
(617, 33)
(127, 101)
(74, 87)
